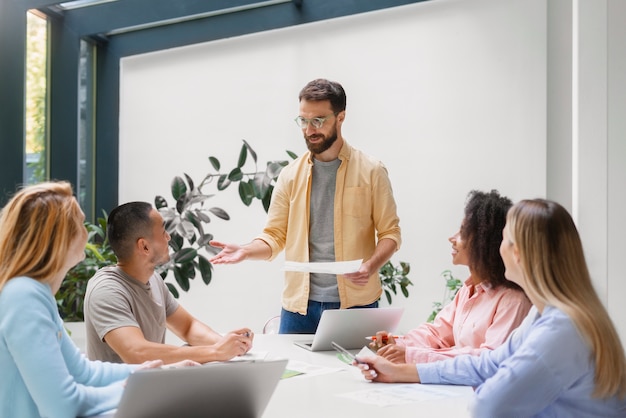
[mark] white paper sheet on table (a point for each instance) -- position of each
(336, 267)
(400, 394)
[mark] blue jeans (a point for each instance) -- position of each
(294, 323)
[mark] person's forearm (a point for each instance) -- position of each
(257, 250)
(383, 252)
(407, 373)
(171, 353)
(201, 334)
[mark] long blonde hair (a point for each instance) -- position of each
(556, 274)
(36, 228)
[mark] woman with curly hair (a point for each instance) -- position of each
(565, 360)
(485, 310)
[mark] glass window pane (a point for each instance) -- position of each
(86, 151)
(35, 140)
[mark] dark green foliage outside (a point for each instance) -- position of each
(98, 253)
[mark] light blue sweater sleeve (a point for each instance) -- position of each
(44, 374)
(544, 369)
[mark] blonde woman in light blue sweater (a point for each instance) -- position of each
(42, 236)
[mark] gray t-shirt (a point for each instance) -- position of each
(322, 230)
(114, 299)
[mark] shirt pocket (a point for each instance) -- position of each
(357, 202)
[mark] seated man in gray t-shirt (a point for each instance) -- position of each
(128, 306)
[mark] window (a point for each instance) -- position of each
(35, 138)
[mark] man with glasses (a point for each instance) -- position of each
(334, 203)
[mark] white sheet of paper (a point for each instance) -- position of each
(400, 394)
(337, 267)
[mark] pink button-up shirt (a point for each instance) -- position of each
(468, 324)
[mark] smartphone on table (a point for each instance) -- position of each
(348, 356)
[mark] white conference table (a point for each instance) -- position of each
(320, 395)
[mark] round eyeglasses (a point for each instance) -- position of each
(314, 122)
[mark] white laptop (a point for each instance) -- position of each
(229, 389)
(349, 327)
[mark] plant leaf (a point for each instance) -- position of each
(178, 188)
(185, 255)
(173, 290)
(204, 240)
(185, 229)
(292, 154)
(250, 150)
(189, 182)
(181, 279)
(261, 185)
(235, 174)
(206, 269)
(223, 182)
(267, 198)
(274, 168)
(176, 242)
(388, 296)
(243, 154)
(220, 213)
(203, 216)
(160, 202)
(215, 163)
(246, 192)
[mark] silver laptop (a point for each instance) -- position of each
(349, 327)
(228, 389)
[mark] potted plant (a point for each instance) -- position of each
(98, 253)
(452, 287)
(392, 277)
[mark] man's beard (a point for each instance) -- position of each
(320, 147)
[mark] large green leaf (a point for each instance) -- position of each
(267, 198)
(206, 269)
(246, 192)
(204, 239)
(220, 213)
(189, 182)
(178, 188)
(235, 174)
(243, 154)
(160, 202)
(204, 217)
(185, 229)
(176, 242)
(173, 290)
(274, 168)
(261, 184)
(223, 182)
(185, 255)
(181, 279)
(188, 269)
(250, 150)
(215, 163)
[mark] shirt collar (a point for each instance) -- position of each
(483, 286)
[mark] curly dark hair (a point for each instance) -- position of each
(485, 217)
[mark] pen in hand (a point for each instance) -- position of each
(385, 338)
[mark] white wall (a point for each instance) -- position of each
(449, 94)
(616, 224)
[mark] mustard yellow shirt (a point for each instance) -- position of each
(365, 212)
